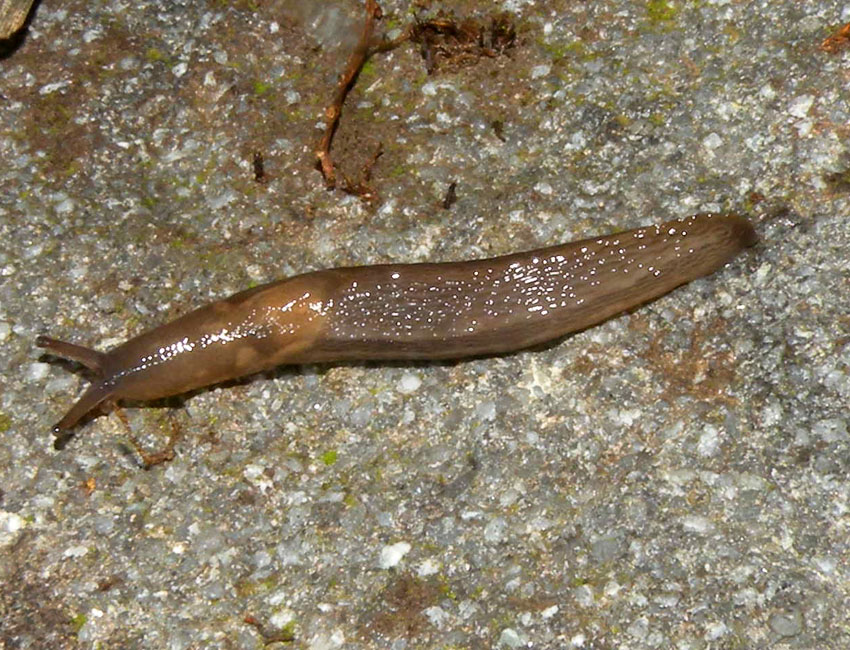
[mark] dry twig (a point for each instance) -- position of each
(151, 459)
(332, 113)
(440, 39)
(837, 41)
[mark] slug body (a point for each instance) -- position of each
(408, 311)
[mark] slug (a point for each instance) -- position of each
(406, 311)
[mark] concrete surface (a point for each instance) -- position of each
(674, 478)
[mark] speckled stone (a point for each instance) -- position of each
(675, 477)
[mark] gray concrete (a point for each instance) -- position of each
(674, 478)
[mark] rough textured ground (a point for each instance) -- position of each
(674, 478)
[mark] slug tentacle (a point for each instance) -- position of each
(91, 359)
(408, 311)
(95, 395)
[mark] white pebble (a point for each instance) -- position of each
(540, 71)
(11, 525)
(715, 630)
(409, 383)
(65, 206)
(709, 441)
(696, 524)
(38, 371)
(428, 568)
(510, 638)
(799, 106)
(437, 616)
(639, 628)
(53, 87)
(391, 555)
(712, 141)
(76, 551)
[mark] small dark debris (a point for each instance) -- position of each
(755, 197)
(499, 129)
(451, 196)
(108, 583)
(839, 182)
(259, 168)
(444, 40)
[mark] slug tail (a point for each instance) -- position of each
(91, 359)
(96, 394)
(742, 231)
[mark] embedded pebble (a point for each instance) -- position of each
(697, 524)
(393, 554)
(511, 638)
(11, 527)
(799, 106)
(409, 383)
(786, 624)
(38, 371)
(540, 71)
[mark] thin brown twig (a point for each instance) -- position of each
(356, 61)
(386, 45)
(151, 459)
(441, 37)
(838, 40)
(363, 187)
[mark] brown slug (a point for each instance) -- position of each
(407, 311)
